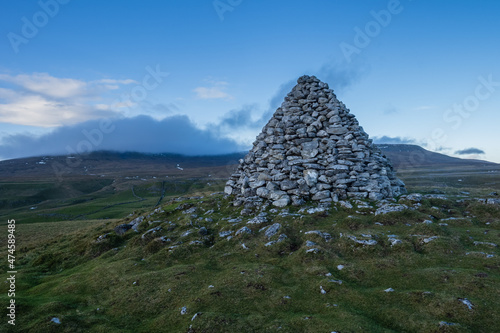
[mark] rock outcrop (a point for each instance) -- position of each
(312, 148)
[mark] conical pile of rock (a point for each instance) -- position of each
(312, 148)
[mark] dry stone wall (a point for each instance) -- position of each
(312, 148)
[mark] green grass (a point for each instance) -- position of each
(29, 234)
(65, 273)
(133, 284)
(37, 202)
(453, 181)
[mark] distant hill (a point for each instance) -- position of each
(114, 164)
(413, 156)
(118, 165)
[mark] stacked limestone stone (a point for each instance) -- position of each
(312, 148)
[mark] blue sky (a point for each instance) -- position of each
(423, 72)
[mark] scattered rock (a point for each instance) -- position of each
(281, 238)
(394, 240)
(430, 239)
(151, 231)
(467, 302)
(485, 243)
(450, 219)
(272, 230)
(315, 210)
(245, 230)
(123, 228)
(310, 244)
(258, 220)
(191, 210)
(101, 238)
(369, 242)
(445, 323)
(224, 234)
(482, 253)
(134, 225)
(436, 196)
(326, 236)
(414, 197)
(203, 231)
(390, 208)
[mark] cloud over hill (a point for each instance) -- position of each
(176, 134)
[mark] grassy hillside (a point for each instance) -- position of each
(412, 156)
(98, 198)
(140, 282)
(136, 165)
(116, 165)
(109, 185)
(72, 265)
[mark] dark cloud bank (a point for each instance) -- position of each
(175, 134)
(470, 151)
(394, 140)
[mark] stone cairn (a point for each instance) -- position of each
(312, 149)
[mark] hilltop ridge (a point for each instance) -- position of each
(402, 156)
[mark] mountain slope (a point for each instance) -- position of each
(413, 156)
(114, 164)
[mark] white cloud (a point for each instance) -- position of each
(36, 110)
(111, 81)
(211, 93)
(46, 101)
(53, 87)
(50, 86)
(396, 140)
(216, 91)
